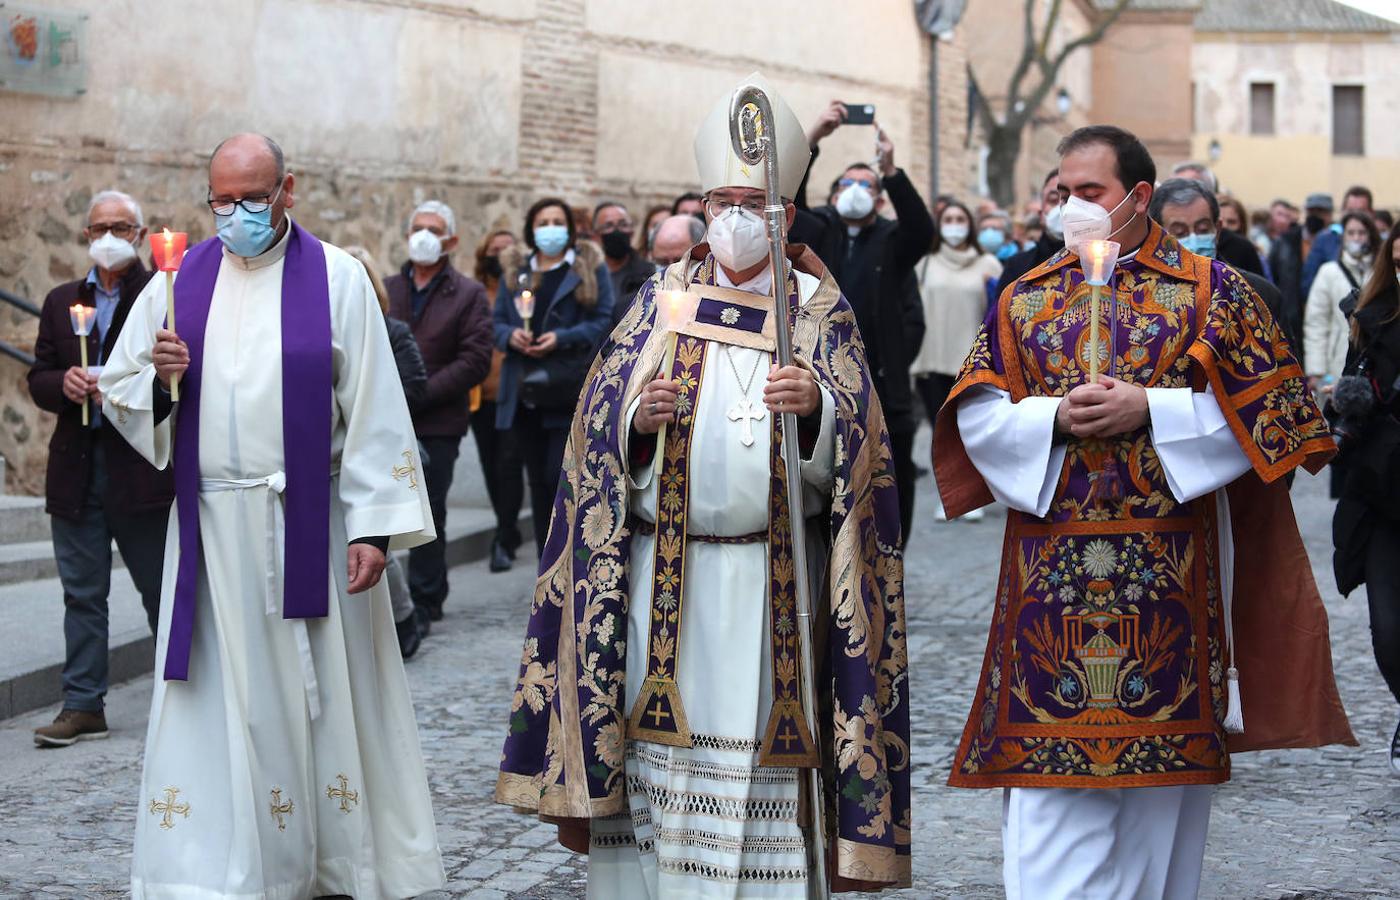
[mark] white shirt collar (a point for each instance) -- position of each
(568, 260)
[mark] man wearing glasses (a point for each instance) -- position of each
(656, 718)
(98, 489)
(872, 258)
(281, 731)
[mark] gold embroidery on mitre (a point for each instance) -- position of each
(407, 470)
(343, 794)
(281, 810)
(168, 809)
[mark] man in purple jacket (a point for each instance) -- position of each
(451, 320)
(98, 488)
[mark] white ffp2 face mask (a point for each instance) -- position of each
(854, 203)
(737, 239)
(424, 247)
(1084, 221)
(1054, 222)
(111, 252)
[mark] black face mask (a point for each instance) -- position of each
(617, 244)
(1314, 224)
(491, 266)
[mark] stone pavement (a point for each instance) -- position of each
(1292, 824)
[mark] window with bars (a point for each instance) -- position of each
(1261, 107)
(1348, 120)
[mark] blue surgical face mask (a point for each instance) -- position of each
(1007, 250)
(990, 239)
(1199, 244)
(246, 234)
(551, 239)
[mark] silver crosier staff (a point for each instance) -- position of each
(752, 131)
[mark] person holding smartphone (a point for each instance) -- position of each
(872, 258)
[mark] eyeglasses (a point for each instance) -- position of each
(847, 182)
(717, 207)
(123, 230)
(251, 205)
(619, 225)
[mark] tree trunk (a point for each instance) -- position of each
(1003, 150)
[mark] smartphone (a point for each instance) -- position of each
(860, 113)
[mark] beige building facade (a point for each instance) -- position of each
(1277, 107)
(486, 104)
(1191, 78)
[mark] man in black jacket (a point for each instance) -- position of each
(1050, 242)
(99, 489)
(628, 269)
(872, 258)
(1191, 214)
(1233, 249)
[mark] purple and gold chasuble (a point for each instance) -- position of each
(1106, 662)
(564, 754)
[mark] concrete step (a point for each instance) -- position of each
(33, 561)
(31, 636)
(22, 520)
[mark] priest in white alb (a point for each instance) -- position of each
(658, 717)
(282, 757)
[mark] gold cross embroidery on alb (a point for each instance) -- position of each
(343, 794)
(281, 810)
(168, 809)
(407, 470)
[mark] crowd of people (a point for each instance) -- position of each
(498, 339)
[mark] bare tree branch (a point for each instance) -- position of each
(1023, 66)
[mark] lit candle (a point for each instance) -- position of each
(81, 316)
(525, 305)
(1098, 259)
(168, 248)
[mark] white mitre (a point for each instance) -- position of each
(714, 154)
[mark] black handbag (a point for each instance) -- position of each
(555, 382)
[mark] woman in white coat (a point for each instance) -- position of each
(1325, 327)
(953, 284)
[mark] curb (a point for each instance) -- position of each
(133, 654)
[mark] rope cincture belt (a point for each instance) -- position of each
(276, 528)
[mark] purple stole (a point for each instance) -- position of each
(306, 434)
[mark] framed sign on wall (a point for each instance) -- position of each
(44, 51)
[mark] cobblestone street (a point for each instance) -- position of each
(1290, 824)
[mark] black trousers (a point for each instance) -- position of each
(934, 389)
(427, 564)
(501, 468)
(902, 449)
(1383, 597)
(542, 449)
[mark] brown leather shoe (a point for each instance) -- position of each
(71, 726)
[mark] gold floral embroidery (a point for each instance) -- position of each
(168, 808)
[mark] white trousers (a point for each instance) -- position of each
(1104, 844)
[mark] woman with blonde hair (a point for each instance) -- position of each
(414, 376)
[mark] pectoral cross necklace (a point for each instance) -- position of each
(745, 411)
